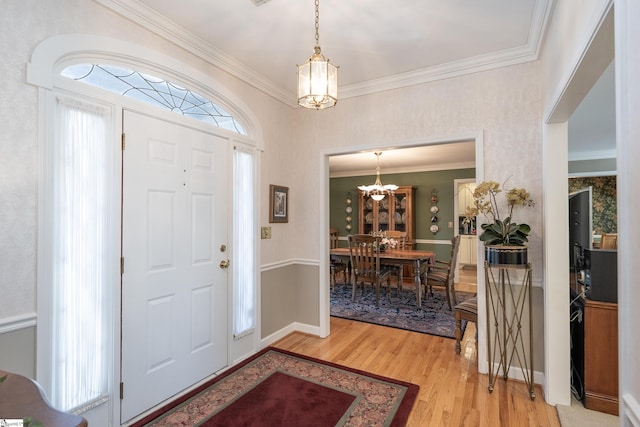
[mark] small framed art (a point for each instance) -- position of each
(278, 203)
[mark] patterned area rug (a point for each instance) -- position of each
(279, 388)
(435, 318)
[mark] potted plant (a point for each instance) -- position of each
(504, 239)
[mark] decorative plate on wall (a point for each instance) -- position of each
(434, 228)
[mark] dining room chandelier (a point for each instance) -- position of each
(377, 191)
(317, 78)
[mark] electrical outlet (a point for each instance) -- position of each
(450, 224)
(265, 232)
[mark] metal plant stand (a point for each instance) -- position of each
(508, 291)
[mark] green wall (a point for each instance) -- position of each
(423, 182)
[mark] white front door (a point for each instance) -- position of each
(174, 290)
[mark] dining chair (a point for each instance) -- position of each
(398, 269)
(400, 236)
(442, 273)
(466, 310)
(364, 253)
(335, 264)
(609, 241)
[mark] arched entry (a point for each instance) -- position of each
(49, 58)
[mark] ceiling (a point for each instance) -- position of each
(456, 155)
(378, 45)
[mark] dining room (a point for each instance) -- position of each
(425, 207)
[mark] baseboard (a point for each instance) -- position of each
(631, 409)
(515, 372)
(601, 402)
(293, 327)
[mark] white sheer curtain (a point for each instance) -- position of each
(244, 238)
(81, 252)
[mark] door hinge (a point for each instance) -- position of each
(121, 391)
(121, 266)
(122, 140)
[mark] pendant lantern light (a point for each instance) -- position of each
(317, 78)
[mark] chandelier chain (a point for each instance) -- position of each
(317, 23)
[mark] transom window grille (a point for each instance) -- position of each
(154, 91)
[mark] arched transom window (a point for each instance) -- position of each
(154, 91)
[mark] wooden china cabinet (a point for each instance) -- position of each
(394, 212)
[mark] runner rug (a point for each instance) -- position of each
(279, 388)
(398, 311)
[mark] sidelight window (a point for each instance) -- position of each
(82, 228)
(244, 238)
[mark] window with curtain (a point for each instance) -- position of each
(244, 236)
(82, 256)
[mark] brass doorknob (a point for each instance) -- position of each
(224, 263)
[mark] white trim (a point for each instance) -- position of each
(515, 372)
(48, 58)
(577, 156)
(323, 221)
(292, 327)
(158, 24)
(17, 323)
(442, 167)
(631, 409)
(151, 20)
(592, 174)
(555, 240)
(288, 262)
(504, 58)
(572, 85)
(53, 54)
(568, 96)
(627, 69)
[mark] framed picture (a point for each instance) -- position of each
(278, 203)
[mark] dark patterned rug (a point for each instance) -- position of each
(401, 312)
(280, 388)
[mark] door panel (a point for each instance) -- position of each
(174, 294)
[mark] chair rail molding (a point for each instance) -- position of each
(16, 323)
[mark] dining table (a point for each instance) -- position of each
(418, 259)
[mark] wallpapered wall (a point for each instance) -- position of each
(604, 199)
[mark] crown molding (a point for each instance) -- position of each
(592, 155)
(503, 58)
(160, 25)
(405, 169)
(445, 71)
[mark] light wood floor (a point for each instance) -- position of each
(452, 392)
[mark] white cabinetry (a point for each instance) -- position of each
(465, 197)
(468, 251)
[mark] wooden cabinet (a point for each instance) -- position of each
(394, 212)
(468, 251)
(601, 356)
